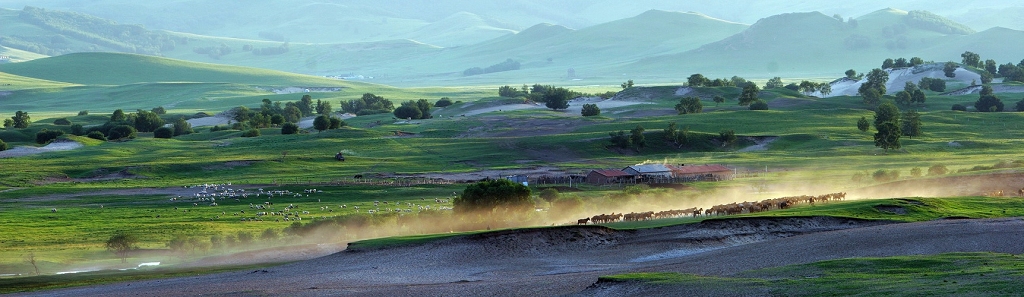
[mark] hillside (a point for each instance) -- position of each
(823, 45)
(122, 69)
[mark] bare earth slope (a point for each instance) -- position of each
(566, 260)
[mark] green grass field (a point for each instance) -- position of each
(989, 274)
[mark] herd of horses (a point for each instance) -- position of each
(717, 210)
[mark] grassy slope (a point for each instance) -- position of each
(10, 82)
(988, 274)
(121, 69)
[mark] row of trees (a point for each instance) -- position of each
(553, 97)
(901, 63)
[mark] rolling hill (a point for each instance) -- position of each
(122, 69)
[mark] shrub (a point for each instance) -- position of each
(62, 122)
(45, 136)
(499, 194)
(163, 132)
(915, 172)
(97, 135)
(121, 132)
(549, 194)
(959, 107)
(251, 133)
(445, 101)
(590, 110)
(289, 128)
(759, 105)
(83, 113)
(883, 175)
(77, 129)
(937, 170)
(3, 145)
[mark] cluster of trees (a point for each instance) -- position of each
(494, 195)
(20, 120)
(368, 104)
(698, 80)
(697, 141)
(419, 109)
(553, 97)
(689, 105)
(911, 94)
(635, 139)
(991, 69)
(987, 101)
(271, 50)
(901, 63)
(891, 125)
(808, 87)
(874, 88)
(214, 52)
(508, 65)
(933, 84)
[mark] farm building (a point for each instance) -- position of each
(649, 170)
(600, 177)
(701, 172)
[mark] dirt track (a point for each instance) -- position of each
(566, 260)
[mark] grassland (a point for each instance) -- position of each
(132, 180)
(988, 274)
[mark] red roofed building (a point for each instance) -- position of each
(600, 177)
(713, 172)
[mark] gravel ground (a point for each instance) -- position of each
(567, 260)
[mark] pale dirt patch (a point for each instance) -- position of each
(56, 146)
(760, 144)
(219, 119)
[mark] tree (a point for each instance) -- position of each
(863, 124)
(336, 123)
(557, 98)
(86, 112)
(887, 64)
(988, 103)
(443, 102)
(182, 127)
(851, 74)
(901, 63)
(903, 98)
(62, 122)
(147, 121)
(549, 195)
(933, 84)
(917, 97)
(727, 137)
(937, 170)
(494, 195)
(507, 91)
(911, 124)
(277, 120)
(8, 123)
(240, 114)
(118, 116)
(916, 61)
(887, 119)
(1020, 105)
(97, 135)
(407, 112)
(3, 145)
(121, 132)
(289, 128)
(774, 83)
(749, 95)
(876, 81)
(636, 137)
(163, 132)
(620, 139)
(959, 107)
(670, 131)
(759, 105)
(628, 84)
(122, 243)
(45, 136)
(424, 107)
(20, 120)
(971, 59)
(292, 114)
(991, 67)
(159, 110)
(697, 80)
(825, 89)
(718, 100)
(590, 110)
(323, 107)
(986, 78)
(305, 105)
(251, 133)
(689, 105)
(950, 69)
(738, 81)
(910, 87)
(871, 97)
(985, 90)
(321, 123)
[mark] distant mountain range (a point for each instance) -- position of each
(652, 46)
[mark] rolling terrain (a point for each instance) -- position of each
(242, 207)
